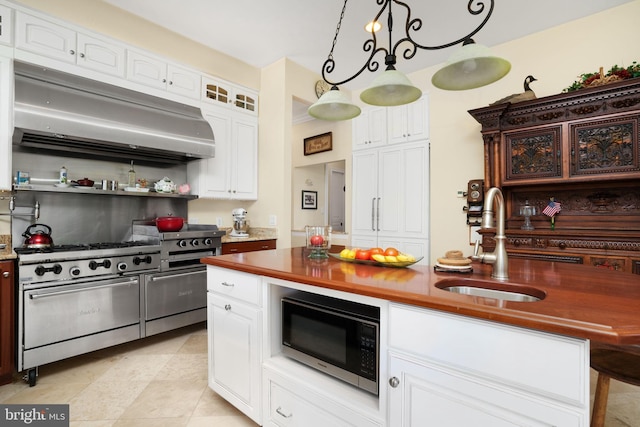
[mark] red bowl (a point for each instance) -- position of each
(167, 224)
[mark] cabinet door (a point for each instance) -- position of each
(213, 174)
(234, 361)
(146, 70)
(98, 55)
(533, 154)
(183, 82)
(365, 193)
(45, 38)
(408, 122)
(6, 25)
(370, 128)
(426, 395)
(7, 339)
(6, 122)
(244, 158)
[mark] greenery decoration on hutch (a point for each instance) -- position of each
(615, 74)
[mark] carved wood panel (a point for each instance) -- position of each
(533, 154)
(605, 147)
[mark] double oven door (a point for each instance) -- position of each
(174, 299)
(65, 320)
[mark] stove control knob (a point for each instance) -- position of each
(122, 266)
(106, 263)
(93, 265)
(208, 242)
(57, 269)
(40, 270)
(74, 271)
(195, 242)
(182, 244)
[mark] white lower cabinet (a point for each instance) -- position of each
(234, 326)
(456, 371)
(290, 405)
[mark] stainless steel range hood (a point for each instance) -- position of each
(83, 117)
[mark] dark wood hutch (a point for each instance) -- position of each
(583, 149)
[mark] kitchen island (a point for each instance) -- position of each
(445, 358)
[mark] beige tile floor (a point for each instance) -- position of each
(158, 381)
(161, 381)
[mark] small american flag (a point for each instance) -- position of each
(552, 208)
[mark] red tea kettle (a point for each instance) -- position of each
(38, 238)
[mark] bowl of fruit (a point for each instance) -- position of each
(318, 240)
(389, 257)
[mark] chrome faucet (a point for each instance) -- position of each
(498, 258)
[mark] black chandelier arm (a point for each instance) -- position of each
(474, 7)
(370, 65)
(412, 25)
(369, 45)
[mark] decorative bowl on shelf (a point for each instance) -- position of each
(318, 240)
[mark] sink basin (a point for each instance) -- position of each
(492, 290)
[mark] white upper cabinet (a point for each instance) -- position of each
(6, 25)
(233, 172)
(155, 72)
(408, 122)
(221, 93)
(55, 41)
(370, 128)
(6, 122)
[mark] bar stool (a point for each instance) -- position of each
(612, 362)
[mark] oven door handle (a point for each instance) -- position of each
(73, 291)
(171, 276)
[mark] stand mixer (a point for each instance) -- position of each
(240, 224)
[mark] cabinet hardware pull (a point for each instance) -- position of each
(373, 215)
(72, 52)
(155, 278)
(282, 414)
(5, 274)
(394, 382)
(74, 291)
(82, 55)
(378, 215)
(227, 307)
(228, 284)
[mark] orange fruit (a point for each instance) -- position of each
(390, 251)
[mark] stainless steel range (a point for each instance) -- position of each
(73, 299)
(176, 296)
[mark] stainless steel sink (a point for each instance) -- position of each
(491, 290)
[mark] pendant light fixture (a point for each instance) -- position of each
(470, 68)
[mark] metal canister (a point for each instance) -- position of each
(113, 185)
(105, 184)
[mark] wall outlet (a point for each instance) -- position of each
(273, 220)
(219, 221)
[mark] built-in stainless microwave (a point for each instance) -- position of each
(338, 337)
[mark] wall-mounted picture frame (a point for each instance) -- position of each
(309, 199)
(318, 144)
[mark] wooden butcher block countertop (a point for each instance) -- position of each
(580, 301)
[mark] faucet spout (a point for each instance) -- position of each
(495, 200)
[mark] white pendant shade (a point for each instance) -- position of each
(390, 88)
(333, 105)
(470, 67)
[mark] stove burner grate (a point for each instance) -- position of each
(79, 247)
